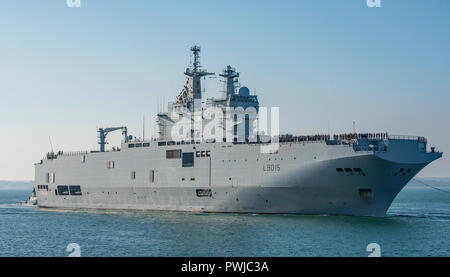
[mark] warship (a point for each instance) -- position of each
(216, 157)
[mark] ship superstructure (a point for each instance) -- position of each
(232, 104)
(212, 158)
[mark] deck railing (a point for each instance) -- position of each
(403, 137)
(350, 139)
(72, 153)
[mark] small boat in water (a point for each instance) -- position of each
(31, 201)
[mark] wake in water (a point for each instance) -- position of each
(14, 205)
(427, 215)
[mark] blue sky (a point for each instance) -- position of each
(66, 71)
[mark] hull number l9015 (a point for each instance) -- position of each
(272, 167)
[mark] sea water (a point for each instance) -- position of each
(417, 224)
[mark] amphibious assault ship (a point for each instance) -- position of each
(221, 161)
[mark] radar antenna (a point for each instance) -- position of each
(229, 74)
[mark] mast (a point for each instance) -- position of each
(229, 74)
(196, 73)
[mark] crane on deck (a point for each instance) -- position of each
(103, 132)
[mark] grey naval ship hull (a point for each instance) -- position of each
(301, 178)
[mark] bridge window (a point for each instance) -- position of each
(63, 190)
(131, 145)
(203, 192)
(359, 171)
(173, 154)
(147, 144)
(75, 190)
(188, 159)
(133, 175)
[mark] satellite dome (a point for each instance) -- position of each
(244, 91)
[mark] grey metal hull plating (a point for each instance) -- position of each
(301, 178)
